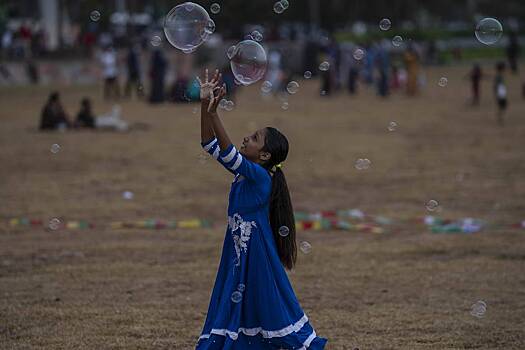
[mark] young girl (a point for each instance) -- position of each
(253, 305)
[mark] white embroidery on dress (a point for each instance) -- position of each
(240, 239)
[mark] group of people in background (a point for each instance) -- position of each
(53, 115)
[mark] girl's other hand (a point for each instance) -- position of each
(216, 97)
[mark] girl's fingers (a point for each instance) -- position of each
(206, 75)
(199, 80)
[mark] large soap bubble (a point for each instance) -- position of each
(488, 31)
(187, 26)
(248, 61)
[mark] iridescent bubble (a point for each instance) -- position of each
(359, 53)
(256, 35)
(385, 24)
(229, 106)
(324, 66)
(55, 148)
(362, 164)
(305, 247)
(202, 157)
(249, 62)
(285, 105)
(397, 41)
(156, 40)
(478, 309)
(292, 87)
(284, 231)
(432, 205)
(323, 92)
(278, 7)
(54, 224)
(307, 74)
(215, 8)
(127, 195)
(266, 87)
(187, 26)
(443, 82)
(94, 15)
(392, 126)
(489, 31)
(231, 51)
(241, 287)
(285, 3)
(223, 103)
(236, 296)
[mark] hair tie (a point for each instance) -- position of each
(280, 165)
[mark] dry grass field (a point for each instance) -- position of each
(145, 289)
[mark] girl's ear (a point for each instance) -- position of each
(264, 156)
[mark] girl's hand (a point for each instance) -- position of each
(216, 98)
(208, 88)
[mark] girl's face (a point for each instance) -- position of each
(252, 147)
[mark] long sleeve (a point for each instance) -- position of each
(212, 147)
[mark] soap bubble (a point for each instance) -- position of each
(443, 82)
(285, 106)
(229, 106)
(94, 15)
(392, 126)
(432, 205)
(256, 35)
(307, 74)
(385, 24)
(249, 61)
(292, 87)
(489, 31)
(236, 296)
(285, 4)
(156, 40)
(127, 195)
(478, 309)
(278, 7)
(397, 41)
(231, 51)
(223, 103)
(284, 231)
(305, 247)
(54, 224)
(55, 148)
(324, 66)
(362, 164)
(241, 287)
(187, 26)
(266, 87)
(359, 53)
(215, 8)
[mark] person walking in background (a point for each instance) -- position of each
(108, 60)
(500, 91)
(475, 75)
(412, 66)
(157, 75)
(53, 115)
(134, 72)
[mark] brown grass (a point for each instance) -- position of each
(139, 289)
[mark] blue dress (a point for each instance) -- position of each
(253, 305)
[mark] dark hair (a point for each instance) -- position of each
(54, 96)
(86, 102)
(281, 210)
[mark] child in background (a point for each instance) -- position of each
(500, 92)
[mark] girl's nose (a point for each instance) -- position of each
(245, 139)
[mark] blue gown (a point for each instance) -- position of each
(253, 305)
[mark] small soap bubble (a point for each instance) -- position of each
(156, 40)
(489, 31)
(54, 224)
(55, 148)
(231, 51)
(215, 8)
(292, 87)
(203, 157)
(359, 53)
(285, 4)
(307, 74)
(432, 205)
(256, 35)
(323, 92)
(266, 87)
(397, 41)
(324, 66)
(230, 105)
(385, 24)
(236, 296)
(392, 126)
(443, 82)
(362, 163)
(127, 195)
(284, 231)
(285, 105)
(209, 28)
(278, 7)
(241, 287)
(223, 103)
(305, 247)
(94, 15)
(478, 309)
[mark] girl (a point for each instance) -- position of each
(253, 305)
